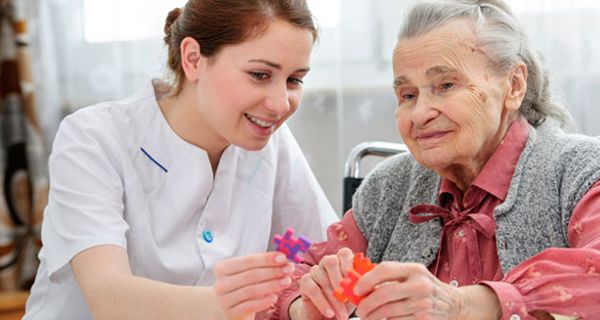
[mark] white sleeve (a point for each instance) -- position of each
(85, 205)
(299, 201)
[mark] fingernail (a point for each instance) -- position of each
(280, 258)
(288, 269)
(285, 281)
(274, 298)
(329, 313)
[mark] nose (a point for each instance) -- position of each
(278, 101)
(425, 109)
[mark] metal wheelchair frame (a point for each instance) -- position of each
(352, 178)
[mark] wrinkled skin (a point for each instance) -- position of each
(453, 107)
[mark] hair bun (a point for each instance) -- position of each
(171, 18)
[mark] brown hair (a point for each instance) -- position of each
(217, 23)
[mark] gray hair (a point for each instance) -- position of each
(505, 43)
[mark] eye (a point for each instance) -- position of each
(446, 86)
(295, 81)
(259, 75)
(408, 97)
(406, 100)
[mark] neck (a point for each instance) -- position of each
(185, 119)
(462, 175)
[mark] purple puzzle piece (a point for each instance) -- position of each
(290, 245)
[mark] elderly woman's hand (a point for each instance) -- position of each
(399, 290)
(248, 284)
(317, 287)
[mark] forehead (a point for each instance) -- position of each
(283, 33)
(281, 42)
(452, 46)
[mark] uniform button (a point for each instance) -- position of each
(515, 317)
(207, 235)
(461, 233)
(454, 283)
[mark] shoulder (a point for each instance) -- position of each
(553, 141)
(93, 122)
(567, 153)
(571, 161)
(114, 122)
(103, 133)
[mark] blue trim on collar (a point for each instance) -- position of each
(153, 160)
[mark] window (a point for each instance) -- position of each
(125, 20)
(130, 20)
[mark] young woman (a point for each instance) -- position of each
(158, 197)
(494, 213)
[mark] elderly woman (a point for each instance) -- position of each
(495, 213)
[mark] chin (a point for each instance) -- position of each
(253, 145)
(432, 160)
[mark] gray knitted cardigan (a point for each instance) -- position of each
(553, 172)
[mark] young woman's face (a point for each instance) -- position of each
(249, 89)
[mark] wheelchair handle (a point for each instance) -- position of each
(361, 150)
(352, 178)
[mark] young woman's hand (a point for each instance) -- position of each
(317, 287)
(408, 290)
(246, 285)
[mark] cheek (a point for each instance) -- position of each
(404, 124)
(476, 116)
(294, 100)
(476, 96)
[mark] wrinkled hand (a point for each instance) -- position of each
(317, 287)
(246, 285)
(408, 291)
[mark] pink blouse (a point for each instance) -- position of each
(563, 281)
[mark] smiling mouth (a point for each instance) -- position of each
(258, 122)
(431, 135)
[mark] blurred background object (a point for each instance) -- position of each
(23, 174)
(22, 155)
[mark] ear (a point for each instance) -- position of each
(517, 87)
(191, 58)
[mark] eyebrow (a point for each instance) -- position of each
(400, 80)
(439, 70)
(276, 65)
(430, 73)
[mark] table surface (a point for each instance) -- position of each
(12, 304)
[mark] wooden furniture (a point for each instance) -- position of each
(12, 304)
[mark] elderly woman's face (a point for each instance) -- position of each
(451, 106)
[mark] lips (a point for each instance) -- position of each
(431, 134)
(259, 122)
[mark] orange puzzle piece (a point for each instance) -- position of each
(360, 266)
